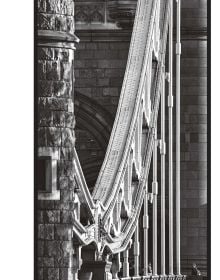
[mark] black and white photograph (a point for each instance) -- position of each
(120, 176)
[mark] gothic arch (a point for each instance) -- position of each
(95, 123)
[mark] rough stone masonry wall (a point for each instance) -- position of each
(55, 132)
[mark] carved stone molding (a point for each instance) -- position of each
(88, 12)
(123, 12)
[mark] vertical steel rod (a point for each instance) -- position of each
(136, 251)
(145, 227)
(178, 54)
(126, 263)
(162, 150)
(155, 191)
(170, 106)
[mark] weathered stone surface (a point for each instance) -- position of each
(45, 118)
(64, 274)
(62, 232)
(40, 217)
(48, 232)
(53, 70)
(66, 71)
(45, 53)
(41, 69)
(53, 249)
(45, 88)
(62, 262)
(62, 89)
(40, 248)
(45, 204)
(58, 119)
(52, 216)
(40, 231)
(40, 274)
(53, 137)
(46, 262)
(67, 217)
(63, 183)
(53, 274)
(68, 138)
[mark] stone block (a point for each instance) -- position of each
(40, 233)
(53, 6)
(90, 63)
(45, 88)
(86, 54)
(63, 205)
(46, 22)
(40, 274)
(52, 216)
(85, 82)
(62, 89)
(60, 23)
(63, 54)
(41, 7)
(45, 118)
(58, 119)
(40, 248)
(40, 217)
(68, 138)
(45, 53)
(62, 232)
(63, 183)
(103, 82)
(67, 217)
(53, 136)
(69, 120)
(66, 71)
(66, 248)
(53, 70)
(53, 249)
(41, 70)
(53, 274)
(114, 73)
(66, 153)
(58, 104)
(45, 204)
(70, 26)
(63, 273)
(49, 232)
(62, 263)
(45, 262)
(65, 195)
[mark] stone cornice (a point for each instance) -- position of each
(124, 35)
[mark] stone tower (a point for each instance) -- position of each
(55, 145)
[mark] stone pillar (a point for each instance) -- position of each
(56, 254)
